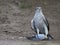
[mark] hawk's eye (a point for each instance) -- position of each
(38, 8)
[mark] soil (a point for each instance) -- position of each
(15, 22)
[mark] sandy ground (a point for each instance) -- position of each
(18, 42)
(15, 22)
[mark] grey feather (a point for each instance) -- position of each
(39, 21)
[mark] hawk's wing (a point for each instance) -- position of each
(46, 22)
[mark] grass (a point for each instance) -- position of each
(23, 5)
